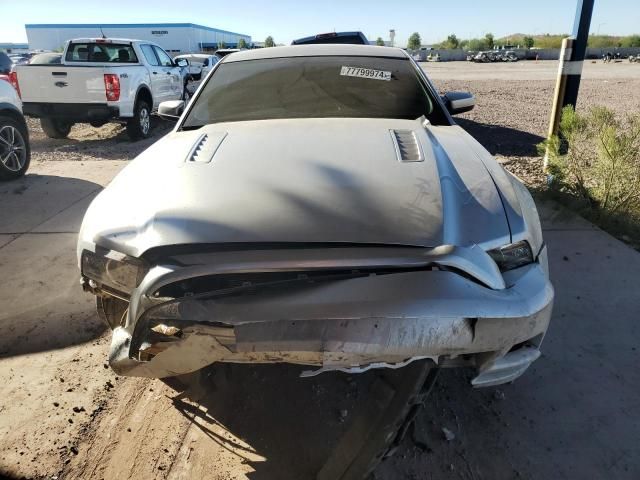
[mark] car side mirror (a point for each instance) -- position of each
(171, 109)
(182, 62)
(459, 102)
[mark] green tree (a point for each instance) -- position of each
(549, 41)
(602, 41)
(631, 41)
(414, 41)
(221, 45)
(451, 42)
(380, 42)
(488, 38)
(477, 44)
(268, 42)
(528, 42)
(242, 43)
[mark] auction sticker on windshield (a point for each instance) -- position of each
(365, 73)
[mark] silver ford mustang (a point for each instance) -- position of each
(318, 205)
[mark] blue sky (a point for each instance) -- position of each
(288, 19)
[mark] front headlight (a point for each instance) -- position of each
(512, 256)
(113, 270)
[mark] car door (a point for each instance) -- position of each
(159, 81)
(172, 72)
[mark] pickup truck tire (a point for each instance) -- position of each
(15, 153)
(54, 128)
(139, 126)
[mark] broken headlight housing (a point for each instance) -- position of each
(512, 256)
(113, 270)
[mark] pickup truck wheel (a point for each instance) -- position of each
(140, 124)
(54, 128)
(15, 153)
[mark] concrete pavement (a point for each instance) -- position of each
(576, 413)
(50, 335)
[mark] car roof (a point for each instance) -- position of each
(194, 55)
(316, 50)
(107, 40)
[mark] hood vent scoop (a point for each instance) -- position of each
(407, 146)
(205, 147)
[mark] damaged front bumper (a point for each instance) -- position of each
(456, 317)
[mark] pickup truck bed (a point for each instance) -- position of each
(71, 93)
(100, 80)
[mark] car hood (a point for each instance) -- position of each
(308, 180)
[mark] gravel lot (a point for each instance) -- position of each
(64, 414)
(514, 103)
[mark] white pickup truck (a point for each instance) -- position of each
(101, 80)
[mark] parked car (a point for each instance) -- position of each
(199, 65)
(5, 64)
(509, 56)
(356, 38)
(318, 205)
(20, 58)
(15, 152)
(7, 72)
(223, 52)
(101, 80)
(488, 56)
(46, 59)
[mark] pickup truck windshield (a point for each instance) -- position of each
(313, 87)
(101, 52)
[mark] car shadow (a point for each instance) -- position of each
(500, 140)
(43, 306)
(267, 417)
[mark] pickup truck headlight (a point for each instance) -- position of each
(512, 256)
(113, 270)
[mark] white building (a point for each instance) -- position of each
(173, 37)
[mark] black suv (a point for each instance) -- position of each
(5, 64)
(356, 38)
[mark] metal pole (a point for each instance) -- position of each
(572, 56)
(581, 35)
(559, 93)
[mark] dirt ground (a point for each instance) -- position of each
(65, 414)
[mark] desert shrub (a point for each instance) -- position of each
(596, 157)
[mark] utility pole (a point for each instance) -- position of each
(572, 56)
(581, 27)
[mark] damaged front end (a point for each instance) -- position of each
(337, 308)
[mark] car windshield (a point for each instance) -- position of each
(313, 87)
(192, 60)
(101, 52)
